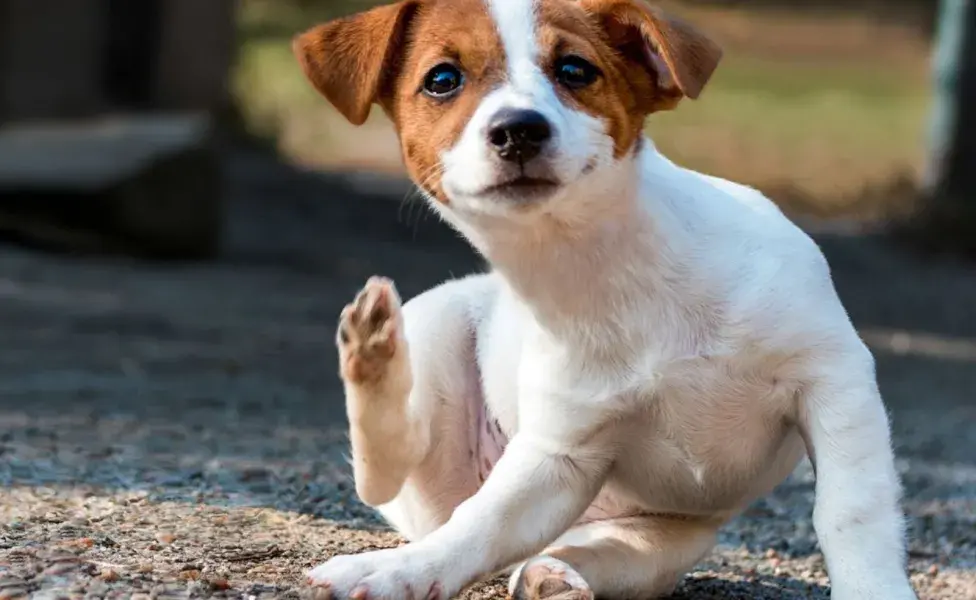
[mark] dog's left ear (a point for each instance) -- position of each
(352, 60)
(681, 57)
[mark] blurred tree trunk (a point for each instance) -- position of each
(949, 215)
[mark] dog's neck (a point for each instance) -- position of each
(588, 269)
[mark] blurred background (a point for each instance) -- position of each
(836, 109)
(182, 218)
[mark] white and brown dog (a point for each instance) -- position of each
(654, 349)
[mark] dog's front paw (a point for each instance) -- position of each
(547, 578)
(881, 591)
(382, 575)
(370, 333)
(874, 582)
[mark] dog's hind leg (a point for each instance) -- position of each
(634, 557)
(410, 376)
(857, 513)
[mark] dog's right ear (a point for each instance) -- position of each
(351, 60)
(680, 56)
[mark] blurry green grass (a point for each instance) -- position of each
(826, 129)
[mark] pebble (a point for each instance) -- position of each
(165, 538)
(60, 568)
(12, 593)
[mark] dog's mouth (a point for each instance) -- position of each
(523, 186)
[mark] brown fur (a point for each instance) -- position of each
(620, 97)
(460, 32)
(690, 55)
(349, 60)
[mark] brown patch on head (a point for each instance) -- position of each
(463, 34)
(648, 61)
(615, 97)
(384, 56)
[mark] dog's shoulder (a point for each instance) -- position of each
(772, 279)
(748, 197)
(735, 229)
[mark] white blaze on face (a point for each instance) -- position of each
(516, 23)
(579, 141)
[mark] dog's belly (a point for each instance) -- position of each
(688, 476)
(717, 434)
(712, 439)
(663, 475)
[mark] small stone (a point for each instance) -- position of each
(80, 543)
(145, 568)
(165, 538)
(11, 582)
(108, 575)
(60, 568)
(190, 575)
(12, 587)
(96, 588)
(219, 583)
(932, 571)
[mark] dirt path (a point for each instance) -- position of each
(167, 430)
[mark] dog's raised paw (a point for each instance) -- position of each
(547, 578)
(369, 332)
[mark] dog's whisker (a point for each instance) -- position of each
(410, 197)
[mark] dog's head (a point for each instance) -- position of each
(502, 106)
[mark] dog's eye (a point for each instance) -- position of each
(575, 73)
(443, 80)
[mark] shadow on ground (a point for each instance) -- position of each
(211, 390)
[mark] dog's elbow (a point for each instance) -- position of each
(377, 491)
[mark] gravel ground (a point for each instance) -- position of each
(177, 430)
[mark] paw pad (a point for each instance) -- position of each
(368, 332)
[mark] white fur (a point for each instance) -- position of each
(515, 21)
(653, 338)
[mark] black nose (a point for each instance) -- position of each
(518, 135)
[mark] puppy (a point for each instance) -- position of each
(653, 350)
